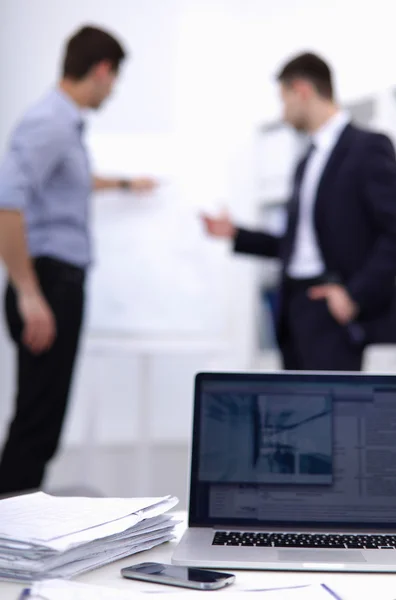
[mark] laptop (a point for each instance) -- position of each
(292, 471)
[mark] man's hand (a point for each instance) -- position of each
(143, 185)
(39, 328)
(340, 304)
(221, 226)
(39, 323)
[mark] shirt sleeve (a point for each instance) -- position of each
(35, 150)
(257, 243)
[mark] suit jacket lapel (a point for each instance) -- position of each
(332, 167)
(325, 186)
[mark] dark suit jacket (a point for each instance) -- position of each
(355, 222)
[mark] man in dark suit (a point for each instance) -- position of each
(338, 253)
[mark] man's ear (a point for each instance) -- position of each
(102, 69)
(304, 87)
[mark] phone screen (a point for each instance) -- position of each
(186, 574)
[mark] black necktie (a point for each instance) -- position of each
(301, 168)
(293, 207)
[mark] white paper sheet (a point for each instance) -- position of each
(155, 269)
(373, 586)
(135, 155)
(60, 590)
(109, 529)
(40, 518)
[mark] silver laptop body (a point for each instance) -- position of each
(292, 471)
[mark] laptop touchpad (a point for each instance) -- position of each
(322, 556)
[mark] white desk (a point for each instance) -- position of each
(354, 586)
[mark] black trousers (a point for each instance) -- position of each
(43, 381)
(311, 339)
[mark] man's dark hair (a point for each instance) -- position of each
(311, 68)
(88, 47)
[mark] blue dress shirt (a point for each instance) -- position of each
(46, 175)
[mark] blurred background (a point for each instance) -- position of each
(197, 107)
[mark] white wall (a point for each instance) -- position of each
(144, 100)
(190, 57)
(202, 69)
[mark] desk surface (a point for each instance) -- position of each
(367, 586)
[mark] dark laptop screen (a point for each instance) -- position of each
(286, 448)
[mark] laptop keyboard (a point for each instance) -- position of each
(304, 540)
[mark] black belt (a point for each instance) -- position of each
(293, 284)
(53, 267)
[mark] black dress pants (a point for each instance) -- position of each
(312, 340)
(43, 381)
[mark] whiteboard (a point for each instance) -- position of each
(155, 271)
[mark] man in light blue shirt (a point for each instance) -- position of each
(46, 176)
(45, 188)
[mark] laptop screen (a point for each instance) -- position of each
(280, 449)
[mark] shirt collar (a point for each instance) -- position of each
(327, 135)
(70, 109)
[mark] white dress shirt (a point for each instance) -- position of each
(306, 260)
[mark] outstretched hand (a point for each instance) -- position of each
(144, 185)
(220, 227)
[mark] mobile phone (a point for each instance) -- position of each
(198, 579)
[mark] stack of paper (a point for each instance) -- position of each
(45, 537)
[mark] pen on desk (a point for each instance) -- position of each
(277, 589)
(331, 592)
